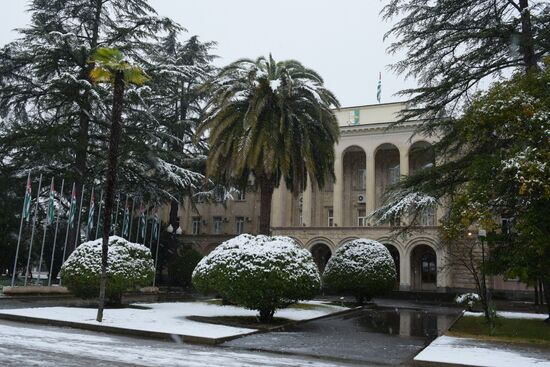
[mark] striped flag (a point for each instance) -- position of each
(379, 89)
(126, 222)
(51, 204)
(28, 200)
(156, 224)
(91, 212)
(72, 210)
(142, 220)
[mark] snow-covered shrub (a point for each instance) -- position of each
(259, 273)
(129, 265)
(181, 267)
(468, 300)
(363, 268)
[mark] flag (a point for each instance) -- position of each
(155, 224)
(379, 89)
(142, 220)
(51, 204)
(28, 200)
(91, 211)
(72, 210)
(126, 223)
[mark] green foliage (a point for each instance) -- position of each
(363, 268)
(260, 273)
(130, 266)
(180, 269)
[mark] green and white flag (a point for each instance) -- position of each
(126, 222)
(91, 213)
(72, 209)
(51, 204)
(155, 224)
(28, 200)
(379, 89)
(142, 220)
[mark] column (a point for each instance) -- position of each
(338, 194)
(278, 206)
(404, 160)
(405, 272)
(371, 182)
(306, 205)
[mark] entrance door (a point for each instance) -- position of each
(321, 254)
(424, 268)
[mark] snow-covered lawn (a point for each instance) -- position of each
(473, 352)
(171, 318)
(512, 315)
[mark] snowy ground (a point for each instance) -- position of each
(473, 352)
(171, 318)
(23, 345)
(512, 315)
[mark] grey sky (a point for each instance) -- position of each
(342, 40)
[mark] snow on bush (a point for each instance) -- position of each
(468, 300)
(259, 273)
(129, 265)
(363, 268)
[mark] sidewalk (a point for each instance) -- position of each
(461, 352)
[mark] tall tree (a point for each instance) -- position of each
(111, 67)
(453, 45)
(272, 120)
(56, 121)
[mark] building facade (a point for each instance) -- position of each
(370, 156)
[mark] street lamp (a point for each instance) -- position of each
(482, 236)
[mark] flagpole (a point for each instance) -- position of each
(131, 218)
(55, 235)
(145, 230)
(20, 231)
(152, 230)
(67, 230)
(98, 215)
(46, 225)
(124, 225)
(157, 253)
(77, 235)
(32, 232)
(116, 214)
(139, 219)
(91, 209)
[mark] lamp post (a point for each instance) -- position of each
(482, 236)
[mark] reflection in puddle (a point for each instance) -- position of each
(404, 322)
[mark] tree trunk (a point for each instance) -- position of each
(266, 316)
(546, 284)
(527, 41)
(114, 141)
(266, 193)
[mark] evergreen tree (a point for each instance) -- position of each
(453, 45)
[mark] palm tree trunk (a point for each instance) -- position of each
(114, 140)
(267, 187)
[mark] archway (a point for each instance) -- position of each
(387, 169)
(423, 268)
(397, 260)
(354, 161)
(321, 254)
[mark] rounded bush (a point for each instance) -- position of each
(129, 266)
(363, 268)
(180, 269)
(259, 273)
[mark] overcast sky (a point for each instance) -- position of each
(342, 40)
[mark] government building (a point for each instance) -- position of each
(370, 156)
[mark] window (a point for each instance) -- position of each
(427, 217)
(196, 225)
(217, 225)
(242, 195)
(361, 218)
(394, 175)
(330, 218)
(240, 225)
(361, 179)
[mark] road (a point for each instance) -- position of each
(25, 345)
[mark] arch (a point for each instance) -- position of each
(421, 155)
(346, 240)
(297, 240)
(387, 169)
(424, 267)
(396, 256)
(321, 254)
(354, 185)
(324, 240)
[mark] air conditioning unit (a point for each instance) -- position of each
(361, 199)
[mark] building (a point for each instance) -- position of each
(370, 156)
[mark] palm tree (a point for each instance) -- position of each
(271, 120)
(111, 67)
